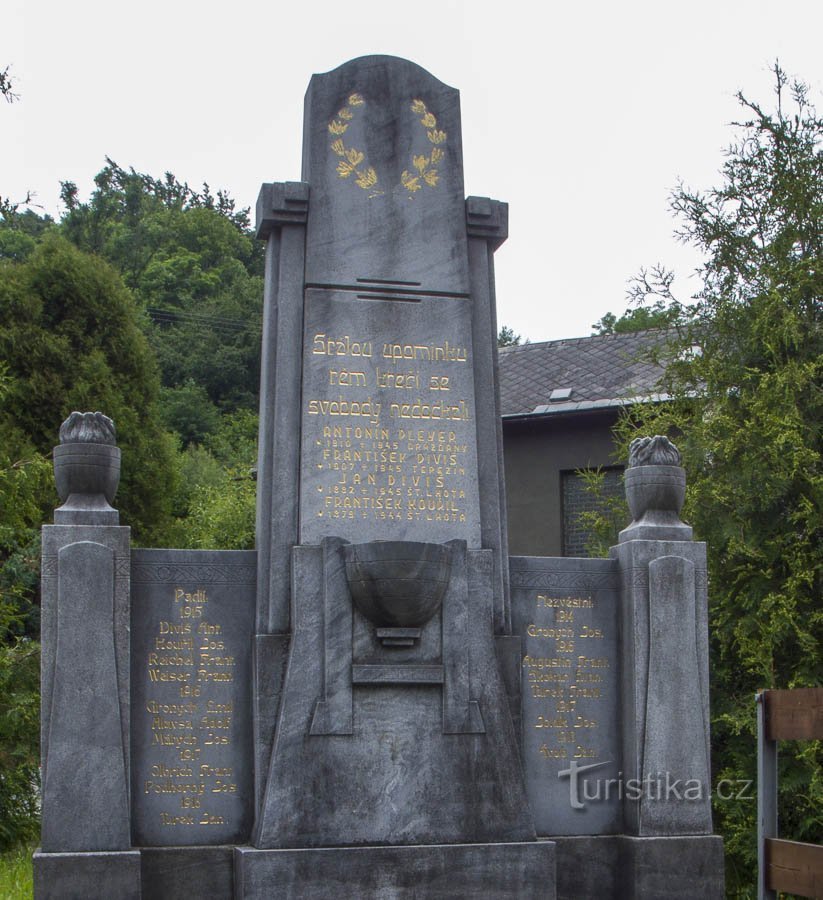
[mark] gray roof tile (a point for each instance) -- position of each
(602, 370)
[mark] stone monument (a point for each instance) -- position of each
(377, 701)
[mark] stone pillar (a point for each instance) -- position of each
(666, 669)
(281, 221)
(487, 227)
(86, 831)
(282, 208)
(665, 677)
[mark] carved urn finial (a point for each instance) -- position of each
(87, 470)
(655, 490)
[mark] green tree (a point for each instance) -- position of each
(196, 269)
(216, 499)
(744, 369)
(72, 335)
(25, 487)
(19, 742)
(19, 220)
(222, 515)
(507, 338)
(70, 338)
(658, 314)
(188, 412)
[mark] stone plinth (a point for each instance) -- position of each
(66, 876)
(404, 745)
(447, 871)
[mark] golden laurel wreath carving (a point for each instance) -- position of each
(353, 161)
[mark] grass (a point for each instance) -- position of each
(15, 874)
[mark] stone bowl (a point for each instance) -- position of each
(655, 489)
(86, 468)
(397, 584)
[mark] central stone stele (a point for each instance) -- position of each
(385, 753)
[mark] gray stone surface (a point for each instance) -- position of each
(517, 871)
(87, 876)
(674, 705)
(371, 120)
(487, 228)
(270, 655)
(85, 801)
(566, 614)
(385, 263)
(87, 470)
(334, 711)
(192, 747)
(672, 868)
(655, 494)
(281, 212)
(53, 538)
(408, 720)
(187, 873)
(281, 204)
(389, 420)
(620, 867)
(462, 709)
(665, 686)
(509, 653)
(589, 868)
(398, 778)
(86, 476)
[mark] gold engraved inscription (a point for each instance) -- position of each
(376, 462)
(569, 681)
(184, 775)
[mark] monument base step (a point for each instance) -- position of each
(520, 871)
(601, 867)
(114, 875)
(187, 873)
(622, 867)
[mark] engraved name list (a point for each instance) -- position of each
(191, 780)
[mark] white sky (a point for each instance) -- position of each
(582, 116)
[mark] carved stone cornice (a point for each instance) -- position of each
(281, 203)
(487, 219)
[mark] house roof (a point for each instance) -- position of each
(583, 373)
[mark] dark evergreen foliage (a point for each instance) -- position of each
(745, 370)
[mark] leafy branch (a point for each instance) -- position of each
(7, 85)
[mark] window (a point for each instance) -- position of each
(576, 500)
